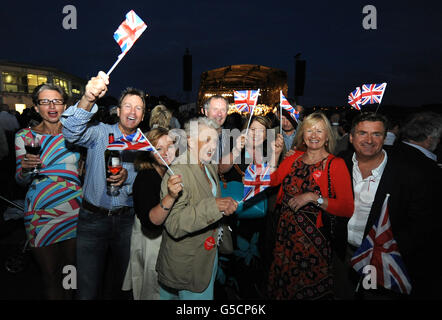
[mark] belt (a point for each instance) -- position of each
(108, 212)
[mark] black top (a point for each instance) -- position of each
(146, 194)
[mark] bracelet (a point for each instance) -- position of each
(163, 207)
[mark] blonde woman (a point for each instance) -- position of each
(160, 117)
(313, 182)
(151, 212)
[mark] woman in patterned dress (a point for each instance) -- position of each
(313, 182)
(54, 195)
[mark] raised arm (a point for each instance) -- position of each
(75, 119)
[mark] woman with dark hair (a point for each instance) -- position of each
(150, 212)
(314, 184)
(246, 269)
(53, 199)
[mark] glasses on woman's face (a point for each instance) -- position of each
(46, 102)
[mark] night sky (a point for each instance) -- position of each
(405, 51)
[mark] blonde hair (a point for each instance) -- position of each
(160, 117)
(308, 122)
(144, 160)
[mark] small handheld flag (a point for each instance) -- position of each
(285, 104)
(245, 99)
(354, 98)
(256, 179)
(249, 98)
(156, 151)
(135, 141)
(127, 33)
(372, 93)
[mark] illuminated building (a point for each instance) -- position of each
(17, 81)
(223, 81)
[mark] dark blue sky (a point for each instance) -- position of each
(404, 51)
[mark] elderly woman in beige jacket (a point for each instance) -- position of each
(194, 232)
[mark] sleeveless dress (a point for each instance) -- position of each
(54, 197)
(301, 259)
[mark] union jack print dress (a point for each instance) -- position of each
(54, 196)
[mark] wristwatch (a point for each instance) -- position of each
(163, 207)
(319, 201)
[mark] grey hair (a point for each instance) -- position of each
(217, 96)
(422, 126)
(202, 121)
(48, 86)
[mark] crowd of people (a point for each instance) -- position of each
(171, 233)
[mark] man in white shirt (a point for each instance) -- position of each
(411, 211)
(369, 161)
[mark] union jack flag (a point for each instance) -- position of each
(285, 104)
(380, 250)
(245, 100)
(373, 93)
(354, 98)
(129, 31)
(256, 179)
(134, 141)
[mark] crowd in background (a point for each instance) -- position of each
(256, 266)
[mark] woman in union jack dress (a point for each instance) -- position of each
(54, 196)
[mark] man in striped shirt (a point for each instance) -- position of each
(105, 222)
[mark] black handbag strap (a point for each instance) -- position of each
(329, 179)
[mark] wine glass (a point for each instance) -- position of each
(33, 146)
(114, 166)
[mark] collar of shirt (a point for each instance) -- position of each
(375, 173)
(364, 194)
(288, 139)
(389, 139)
(426, 152)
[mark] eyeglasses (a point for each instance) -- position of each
(45, 102)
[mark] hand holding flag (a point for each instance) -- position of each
(137, 141)
(96, 87)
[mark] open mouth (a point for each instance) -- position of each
(210, 153)
(52, 113)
